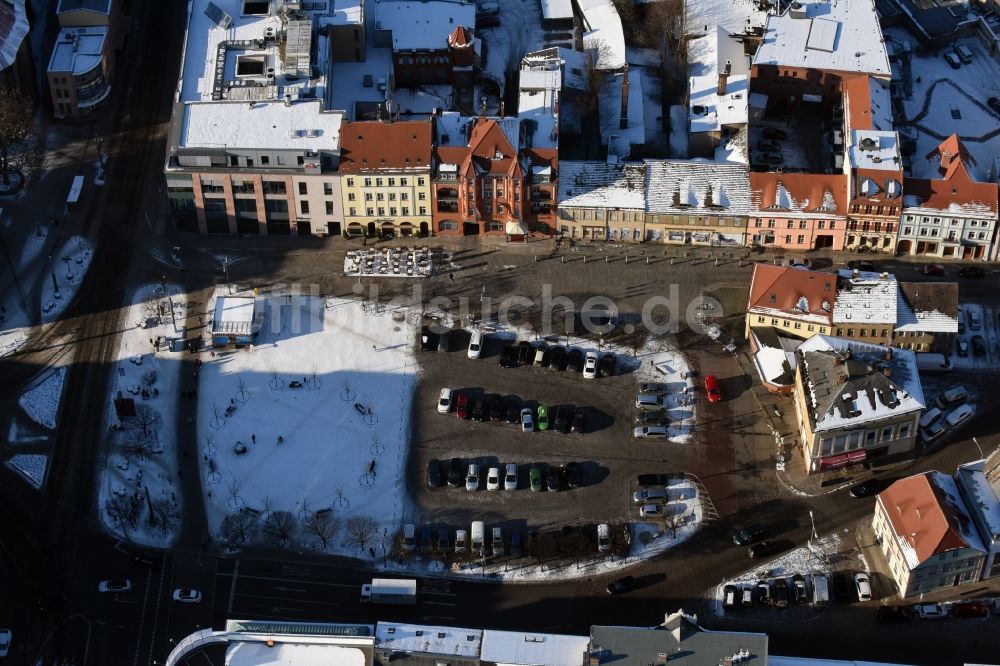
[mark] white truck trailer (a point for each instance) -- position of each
(399, 591)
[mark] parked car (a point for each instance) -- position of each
(963, 346)
(525, 352)
(497, 542)
(444, 342)
(958, 415)
(510, 477)
(5, 638)
(476, 343)
(462, 406)
(762, 593)
(762, 549)
(557, 358)
(974, 271)
(563, 420)
(497, 408)
(932, 432)
(978, 345)
(508, 357)
(964, 53)
(842, 588)
(746, 596)
(461, 541)
(886, 614)
(956, 395)
(968, 609)
(975, 320)
(493, 478)
(863, 585)
(543, 417)
(603, 538)
(649, 432)
(952, 60)
(480, 409)
(621, 585)
(472, 477)
(606, 368)
(590, 365)
(527, 420)
(869, 488)
(535, 479)
(932, 611)
(455, 468)
(114, 585)
(934, 269)
(993, 103)
(187, 596)
(651, 510)
(574, 360)
(553, 479)
(712, 389)
(444, 401)
(653, 388)
(730, 596)
(650, 401)
(649, 496)
(775, 134)
(579, 421)
(749, 534)
(542, 355)
(434, 479)
(652, 418)
(513, 406)
(799, 589)
(574, 475)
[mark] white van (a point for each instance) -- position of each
(956, 395)
(603, 538)
(461, 539)
(477, 537)
(932, 361)
(931, 416)
(957, 416)
(475, 344)
(964, 53)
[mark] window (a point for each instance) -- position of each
(406, 210)
(378, 182)
(402, 182)
(264, 159)
(850, 332)
(770, 224)
(392, 211)
(404, 196)
(379, 196)
(798, 325)
(802, 239)
(904, 430)
(369, 211)
(420, 182)
(381, 211)
(352, 211)
(304, 207)
(886, 433)
(811, 328)
(423, 210)
(791, 224)
(422, 196)
(757, 223)
(298, 160)
(489, 208)
(369, 196)
(392, 182)
(788, 239)
(350, 182)
(392, 196)
(864, 332)
(327, 189)
(822, 224)
(350, 196)
(329, 208)
(832, 224)
(760, 320)
(303, 188)
(802, 224)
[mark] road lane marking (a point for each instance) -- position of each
(295, 599)
(296, 580)
(232, 587)
(436, 603)
(282, 588)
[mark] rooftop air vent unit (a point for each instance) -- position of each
(312, 133)
(868, 143)
(797, 10)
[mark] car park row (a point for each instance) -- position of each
(492, 407)
(497, 542)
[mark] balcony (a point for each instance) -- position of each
(447, 206)
(447, 193)
(541, 195)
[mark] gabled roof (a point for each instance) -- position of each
(949, 154)
(928, 517)
(696, 186)
(927, 306)
(373, 145)
(803, 294)
(817, 195)
(955, 192)
(865, 299)
(596, 184)
(99, 6)
(460, 38)
(13, 29)
(867, 104)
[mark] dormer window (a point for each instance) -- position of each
(774, 298)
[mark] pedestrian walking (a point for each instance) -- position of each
(253, 438)
(209, 494)
(280, 440)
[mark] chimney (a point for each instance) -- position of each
(841, 379)
(380, 111)
(388, 109)
(884, 276)
(856, 273)
(887, 372)
(888, 354)
(623, 121)
(837, 361)
(724, 77)
(501, 108)
(288, 100)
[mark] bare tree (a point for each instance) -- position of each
(15, 126)
(234, 491)
(360, 531)
(672, 521)
(137, 444)
(123, 511)
(323, 526)
(268, 506)
(217, 419)
(279, 527)
(241, 386)
(163, 515)
(149, 379)
(147, 419)
(239, 527)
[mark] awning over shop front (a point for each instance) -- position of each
(516, 228)
(842, 459)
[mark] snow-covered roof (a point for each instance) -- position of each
(345, 12)
(15, 22)
(557, 9)
(985, 502)
(817, 195)
(78, 50)
(301, 126)
(417, 638)
(423, 24)
(611, 106)
(869, 298)
(594, 184)
(234, 314)
(541, 80)
(281, 653)
(697, 187)
(867, 104)
(736, 18)
(709, 56)
(829, 35)
(875, 150)
(533, 649)
(867, 393)
(603, 30)
(560, 67)
(99, 6)
(930, 307)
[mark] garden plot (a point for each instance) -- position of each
(31, 466)
(69, 266)
(304, 434)
(41, 401)
(139, 493)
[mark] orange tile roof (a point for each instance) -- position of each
(921, 515)
(857, 99)
(950, 153)
(793, 291)
(956, 190)
(460, 37)
(799, 192)
(373, 145)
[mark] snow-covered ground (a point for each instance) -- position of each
(313, 418)
(142, 467)
(664, 364)
(31, 466)
(520, 31)
(41, 401)
(69, 265)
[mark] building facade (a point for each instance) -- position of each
(795, 302)
(386, 176)
(854, 401)
(80, 71)
(600, 201)
(696, 203)
(797, 211)
(926, 535)
(346, 31)
(979, 484)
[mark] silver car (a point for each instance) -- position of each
(650, 432)
(651, 510)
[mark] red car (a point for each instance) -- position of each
(712, 389)
(934, 269)
(462, 406)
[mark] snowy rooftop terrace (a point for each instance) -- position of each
(834, 35)
(875, 150)
(450, 641)
(985, 501)
(78, 50)
(605, 27)
(346, 12)
(866, 299)
(709, 111)
(515, 647)
(303, 125)
(234, 314)
(423, 24)
(736, 17)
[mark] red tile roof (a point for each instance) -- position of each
(824, 194)
(460, 37)
(793, 291)
(955, 191)
(373, 145)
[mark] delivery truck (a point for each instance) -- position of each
(399, 591)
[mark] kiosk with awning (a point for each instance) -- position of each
(236, 321)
